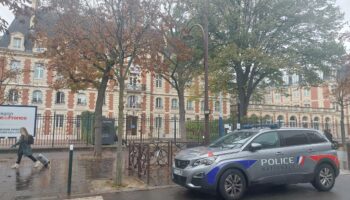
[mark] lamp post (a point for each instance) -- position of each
(204, 30)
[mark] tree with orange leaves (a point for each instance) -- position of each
(96, 41)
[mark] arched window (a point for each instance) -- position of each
(174, 104)
(37, 97)
(280, 120)
(305, 122)
(316, 123)
(59, 98)
(159, 102)
(13, 96)
(293, 121)
(81, 99)
(327, 124)
(254, 119)
(217, 106)
(267, 119)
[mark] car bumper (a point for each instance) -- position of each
(193, 179)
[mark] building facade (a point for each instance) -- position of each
(148, 96)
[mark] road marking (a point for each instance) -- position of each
(89, 198)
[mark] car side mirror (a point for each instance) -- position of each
(255, 146)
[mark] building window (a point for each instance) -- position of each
(17, 42)
(327, 125)
(37, 97)
(13, 96)
(305, 122)
(132, 101)
(295, 79)
(189, 105)
(202, 106)
(306, 92)
(78, 121)
(59, 98)
(280, 120)
(174, 104)
(158, 122)
(158, 81)
(217, 106)
(159, 102)
(15, 65)
(268, 119)
(39, 71)
(293, 121)
(82, 99)
(59, 121)
(307, 105)
(316, 123)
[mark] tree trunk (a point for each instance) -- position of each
(98, 116)
(243, 104)
(342, 124)
(182, 113)
(119, 158)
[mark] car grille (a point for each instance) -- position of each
(182, 164)
(179, 179)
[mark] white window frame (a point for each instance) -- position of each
(159, 81)
(60, 99)
(81, 99)
(159, 103)
(37, 97)
(39, 71)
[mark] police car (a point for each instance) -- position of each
(245, 158)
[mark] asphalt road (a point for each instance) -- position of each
(341, 191)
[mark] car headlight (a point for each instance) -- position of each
(204, 161)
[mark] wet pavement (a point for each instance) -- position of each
(28, 182)
(292, 192)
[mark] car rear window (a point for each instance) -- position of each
(293, 138)
(315, 138)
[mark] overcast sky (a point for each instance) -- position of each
(344, 6)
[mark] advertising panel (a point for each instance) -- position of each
(12, 118)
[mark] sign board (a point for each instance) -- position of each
(12, 118)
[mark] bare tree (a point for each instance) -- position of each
(341, 95)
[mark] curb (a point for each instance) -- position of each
(103, 193)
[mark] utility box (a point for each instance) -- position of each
(108, 131)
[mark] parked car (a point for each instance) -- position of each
(245, 158)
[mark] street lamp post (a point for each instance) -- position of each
(204, 31)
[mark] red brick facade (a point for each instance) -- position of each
(27, 71)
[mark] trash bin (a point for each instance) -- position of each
(108, 131)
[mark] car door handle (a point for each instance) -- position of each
(279, 153)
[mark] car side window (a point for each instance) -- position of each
(293, 138)
(315, 138)
(268, 140)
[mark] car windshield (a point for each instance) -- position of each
(233, 140)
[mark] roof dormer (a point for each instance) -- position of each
(17, 41)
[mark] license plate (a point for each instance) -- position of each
(178, 172)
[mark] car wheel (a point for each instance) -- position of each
(324, 178)
(232, 185)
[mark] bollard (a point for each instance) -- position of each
(70, 169)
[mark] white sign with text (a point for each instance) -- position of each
(12, 118)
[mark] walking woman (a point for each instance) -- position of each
(24, 149)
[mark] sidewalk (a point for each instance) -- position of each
(30, 183)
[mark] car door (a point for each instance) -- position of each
(266, 158)
(296, 147)
(318, 146)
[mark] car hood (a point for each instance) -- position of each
(203, 151)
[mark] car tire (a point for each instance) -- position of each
(324, 178)
(232, 184)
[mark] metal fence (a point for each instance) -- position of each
(62, 130)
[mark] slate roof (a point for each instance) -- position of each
(22, 24)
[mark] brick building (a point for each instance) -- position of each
(147, 94)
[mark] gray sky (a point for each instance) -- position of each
(343, 4)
